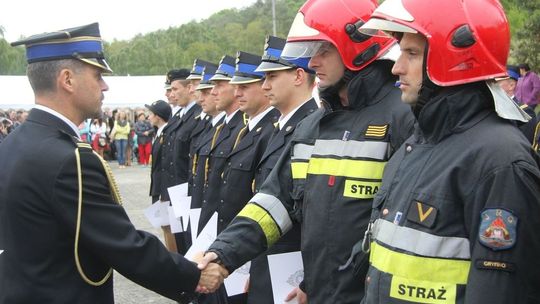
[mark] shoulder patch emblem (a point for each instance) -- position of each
(376, 131)
(422, 214)
(497, 229)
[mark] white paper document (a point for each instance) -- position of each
(205, 239)
(236, 282)
(286, 273)
(181, 202)
(157, 214)
(194, 216)
(174, 222)
(178, 191)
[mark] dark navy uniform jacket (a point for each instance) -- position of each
(158, 185)
(176, 154)
(202, 126)
(239, 173)
(217, 154)
(38, 216)
(260, 286)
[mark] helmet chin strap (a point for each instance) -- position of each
(427, 89)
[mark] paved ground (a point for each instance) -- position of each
(134, 183)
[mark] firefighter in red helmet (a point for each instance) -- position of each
(332, 168)
(456, 218)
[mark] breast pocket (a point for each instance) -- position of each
(437, 213)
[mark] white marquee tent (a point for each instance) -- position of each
(124, 91)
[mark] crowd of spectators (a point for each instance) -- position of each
(118, 135)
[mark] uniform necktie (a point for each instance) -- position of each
(207, 163)
(240, 135)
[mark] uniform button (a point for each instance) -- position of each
(368, 279)
(409, 148)
(221, 152)
(221, 220)
(385, 212)
(170, 163)
(229, 164)
(221, 201)
(224, 182)
(204, 201)
(240, 165)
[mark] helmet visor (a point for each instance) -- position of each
(304, 49)
(384, 28)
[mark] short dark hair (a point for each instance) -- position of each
(42, 75)
(524, 66)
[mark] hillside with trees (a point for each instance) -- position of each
(244, 29)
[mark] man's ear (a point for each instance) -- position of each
(65, 80)
(300, 76)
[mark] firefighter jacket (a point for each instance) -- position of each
(216, 158)
(456, 219)
(326, 178)
(237, 179)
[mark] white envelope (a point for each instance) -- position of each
(205, 238)
(194, 216)
(236, 282)
(286, 273)
(176, 223)
(157, 214)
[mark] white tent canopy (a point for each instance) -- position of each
(124, 91)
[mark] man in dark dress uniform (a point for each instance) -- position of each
(223, 138)
(289, 85)
(62, 228)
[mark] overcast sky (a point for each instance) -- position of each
(118, 19)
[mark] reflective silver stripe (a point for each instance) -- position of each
(341, 148)
(420, 243)
(275, 208)
(351, 148)
(302, 151)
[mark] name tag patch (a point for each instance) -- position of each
(497, 229)
(422, 214)
(360, 189)
(495, 265)
(422, 291)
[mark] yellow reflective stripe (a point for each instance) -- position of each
(299, 170)
(346, 167)
(419, 268)
(422, 291)
(265, 221)
(360, 189)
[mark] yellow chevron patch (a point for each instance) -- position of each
(374, 131)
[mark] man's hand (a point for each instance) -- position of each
(212, 274)
(212, 277)
(299, 294)
(204, 260)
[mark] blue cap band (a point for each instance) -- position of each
(62, 50)
(249, 69)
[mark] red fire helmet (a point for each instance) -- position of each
(468, 40)
(336, 22)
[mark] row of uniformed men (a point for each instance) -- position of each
(228, 126)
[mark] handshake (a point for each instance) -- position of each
(212, 274)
